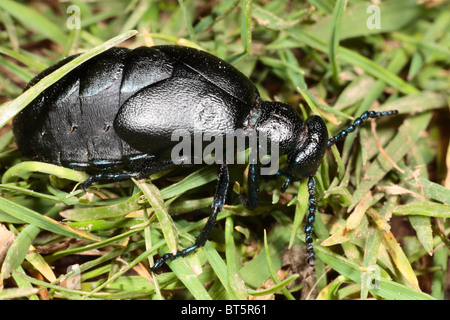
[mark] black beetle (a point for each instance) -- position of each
(114, 116)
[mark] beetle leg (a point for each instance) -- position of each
(108, 177)
(144, 172)
(223, 182)
(252, 200)
(253, 186)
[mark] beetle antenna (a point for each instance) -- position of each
(312, 208)
(358, 122)
(286, 184)
(310, 220)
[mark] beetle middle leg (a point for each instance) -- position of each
(223, 182)
(143, 171)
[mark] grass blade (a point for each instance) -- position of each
(220, 269)
(168, 228)
(34, 20)
(396, 150)
(15, 293)
(356, 59)
(192, 283)
(24, 170)
(338, 13)
(18, 250)
(43, 222)
(386, 288)
(234, 279)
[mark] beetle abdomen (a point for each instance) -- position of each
(71, 122)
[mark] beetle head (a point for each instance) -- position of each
(305, 158)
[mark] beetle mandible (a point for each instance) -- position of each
(113, 117)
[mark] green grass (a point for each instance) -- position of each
(381, 212)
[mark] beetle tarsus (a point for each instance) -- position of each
(86, 183)
(109, 177)
(223, 182)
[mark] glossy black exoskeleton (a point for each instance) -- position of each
(114, 116)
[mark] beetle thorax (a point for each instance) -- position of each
(282, 126)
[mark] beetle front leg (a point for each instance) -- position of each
(251, 201)
(223, 182)
(253, 186)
